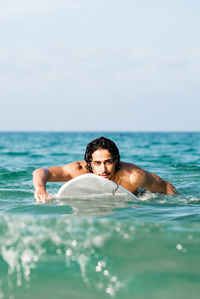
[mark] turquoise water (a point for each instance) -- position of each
(144, 249)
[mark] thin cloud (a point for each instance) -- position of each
(14, 9)
(173, 64)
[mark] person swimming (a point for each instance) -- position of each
(103, 159)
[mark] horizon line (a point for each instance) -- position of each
(97, 131)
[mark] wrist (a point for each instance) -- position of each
(40, 189)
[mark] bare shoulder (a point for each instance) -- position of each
(75, 168)
(132, 169)
(129, 173)
(130, 176)
(138, 175)
(133, 177)
(66, 172)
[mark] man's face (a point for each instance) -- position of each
(102, 163)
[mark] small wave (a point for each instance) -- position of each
(194, 200)
(20, 194)
(37, 156)
(187, 217)
(59, 154)
(15, 153)
(3, 170)
(13, 175)
(146, 196)
(187, 166)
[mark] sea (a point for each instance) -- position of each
(148, 248)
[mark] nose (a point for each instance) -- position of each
(103, 168)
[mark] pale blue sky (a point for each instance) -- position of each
(71, 65)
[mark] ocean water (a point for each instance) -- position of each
(149, 248)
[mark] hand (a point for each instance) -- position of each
(42, 196)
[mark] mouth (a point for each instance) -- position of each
(104, 175)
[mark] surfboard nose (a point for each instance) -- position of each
(91, 185)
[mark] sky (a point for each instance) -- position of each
(99, 65)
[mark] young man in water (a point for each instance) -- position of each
(101, 158)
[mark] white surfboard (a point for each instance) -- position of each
(91, 186)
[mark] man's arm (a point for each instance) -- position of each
(39, 182)
(152, 182)
(53, 174)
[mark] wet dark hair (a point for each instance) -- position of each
(102, 143)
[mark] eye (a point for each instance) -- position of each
(97, 163)
(110, 161)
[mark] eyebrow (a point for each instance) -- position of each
(103, 161)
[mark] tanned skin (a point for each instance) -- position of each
(129, 176)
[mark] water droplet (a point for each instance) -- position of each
(126, 236)
(110, 291)
(98, 268)
(74, 243)
(114, 279)
(179, 247)
(26, 256)
(117, 228)
(98, 241)
(68, 252)
(58, 251)
(131, 228)
(102, 263)
(27, 272)
(105, 272)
